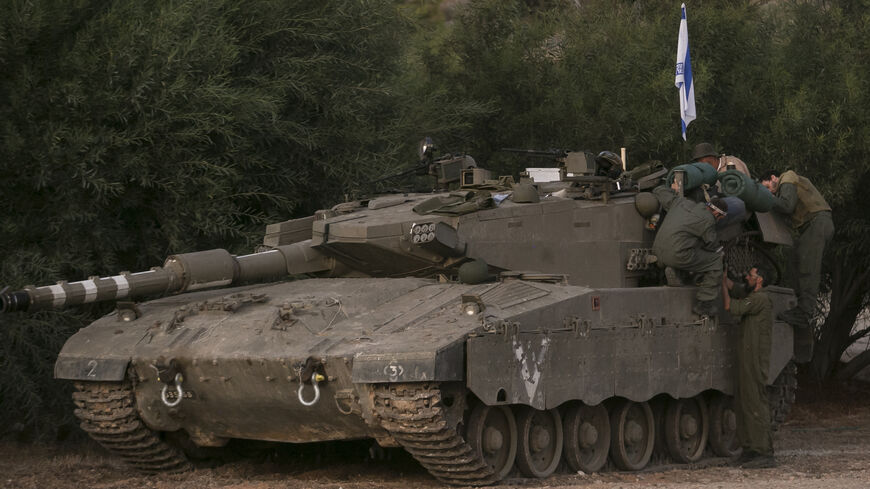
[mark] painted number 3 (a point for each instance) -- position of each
(394, 371)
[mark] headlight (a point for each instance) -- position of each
(471, 304)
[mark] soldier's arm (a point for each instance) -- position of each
(786, 199)
(708, 235)
(747, 306)
(666, 196)
(726, 286)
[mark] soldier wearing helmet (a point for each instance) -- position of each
(687, 241)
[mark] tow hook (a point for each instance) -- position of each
(170, 375)
(308, 372)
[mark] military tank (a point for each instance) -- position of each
(494, 327)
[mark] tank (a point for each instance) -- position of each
(495, 326)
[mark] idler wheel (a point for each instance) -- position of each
(540, 441)
(723, 426)
(632, 434)
(686, 428)
(492, 433)
(587, 437)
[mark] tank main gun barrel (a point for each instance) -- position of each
(180, 273)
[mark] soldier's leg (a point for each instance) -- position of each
(810, 249)
(753, 427)
(708, 266)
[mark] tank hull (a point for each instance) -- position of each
(242, 351)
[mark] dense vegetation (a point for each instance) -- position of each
(134, 129)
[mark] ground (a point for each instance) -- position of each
(825, 443)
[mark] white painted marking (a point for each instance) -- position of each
(90, 290)
(530, 365)
(58, 295)
(123, 286)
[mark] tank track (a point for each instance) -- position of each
(107, 411)
(416, 417)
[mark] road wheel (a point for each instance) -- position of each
(723, 426)
(632, 434)
(540, 441)
(587, 437)
(686, 428)
(492, 433)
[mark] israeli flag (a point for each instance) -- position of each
(684, 82)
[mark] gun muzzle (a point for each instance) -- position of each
(18, 300)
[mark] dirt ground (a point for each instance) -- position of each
(824, 444)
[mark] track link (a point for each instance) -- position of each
(107, 411)
(415, 416)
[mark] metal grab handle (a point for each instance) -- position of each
(316, 393)
(178, 390)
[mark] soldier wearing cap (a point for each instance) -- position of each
(705, 153)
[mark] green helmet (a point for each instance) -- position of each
(646, 204)
(525, 193)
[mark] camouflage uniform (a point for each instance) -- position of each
(685, 241)
(753, 360)
(811, 219)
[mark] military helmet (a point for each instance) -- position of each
(609, 164)
(525, 193)
(703, 149)
(646, 204)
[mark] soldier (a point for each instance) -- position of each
(687, 241)
(705, 153)
(811, 220)
(753, 360)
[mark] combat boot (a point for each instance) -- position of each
(705, 308)
(794, 316)
(759, 461)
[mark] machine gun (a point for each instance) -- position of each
(446, 169)
(582, 166)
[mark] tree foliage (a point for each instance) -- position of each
(135, 129)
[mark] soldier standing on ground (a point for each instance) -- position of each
(811, 220)
(687, 241)
(753, 361)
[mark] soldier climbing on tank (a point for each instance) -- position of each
(811, 221)
(753, 359)
(687, 241)
(706, 153)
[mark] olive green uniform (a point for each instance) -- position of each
(753, 361)
(686, 240)
(811, 219)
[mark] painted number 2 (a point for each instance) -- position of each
(92, 368)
